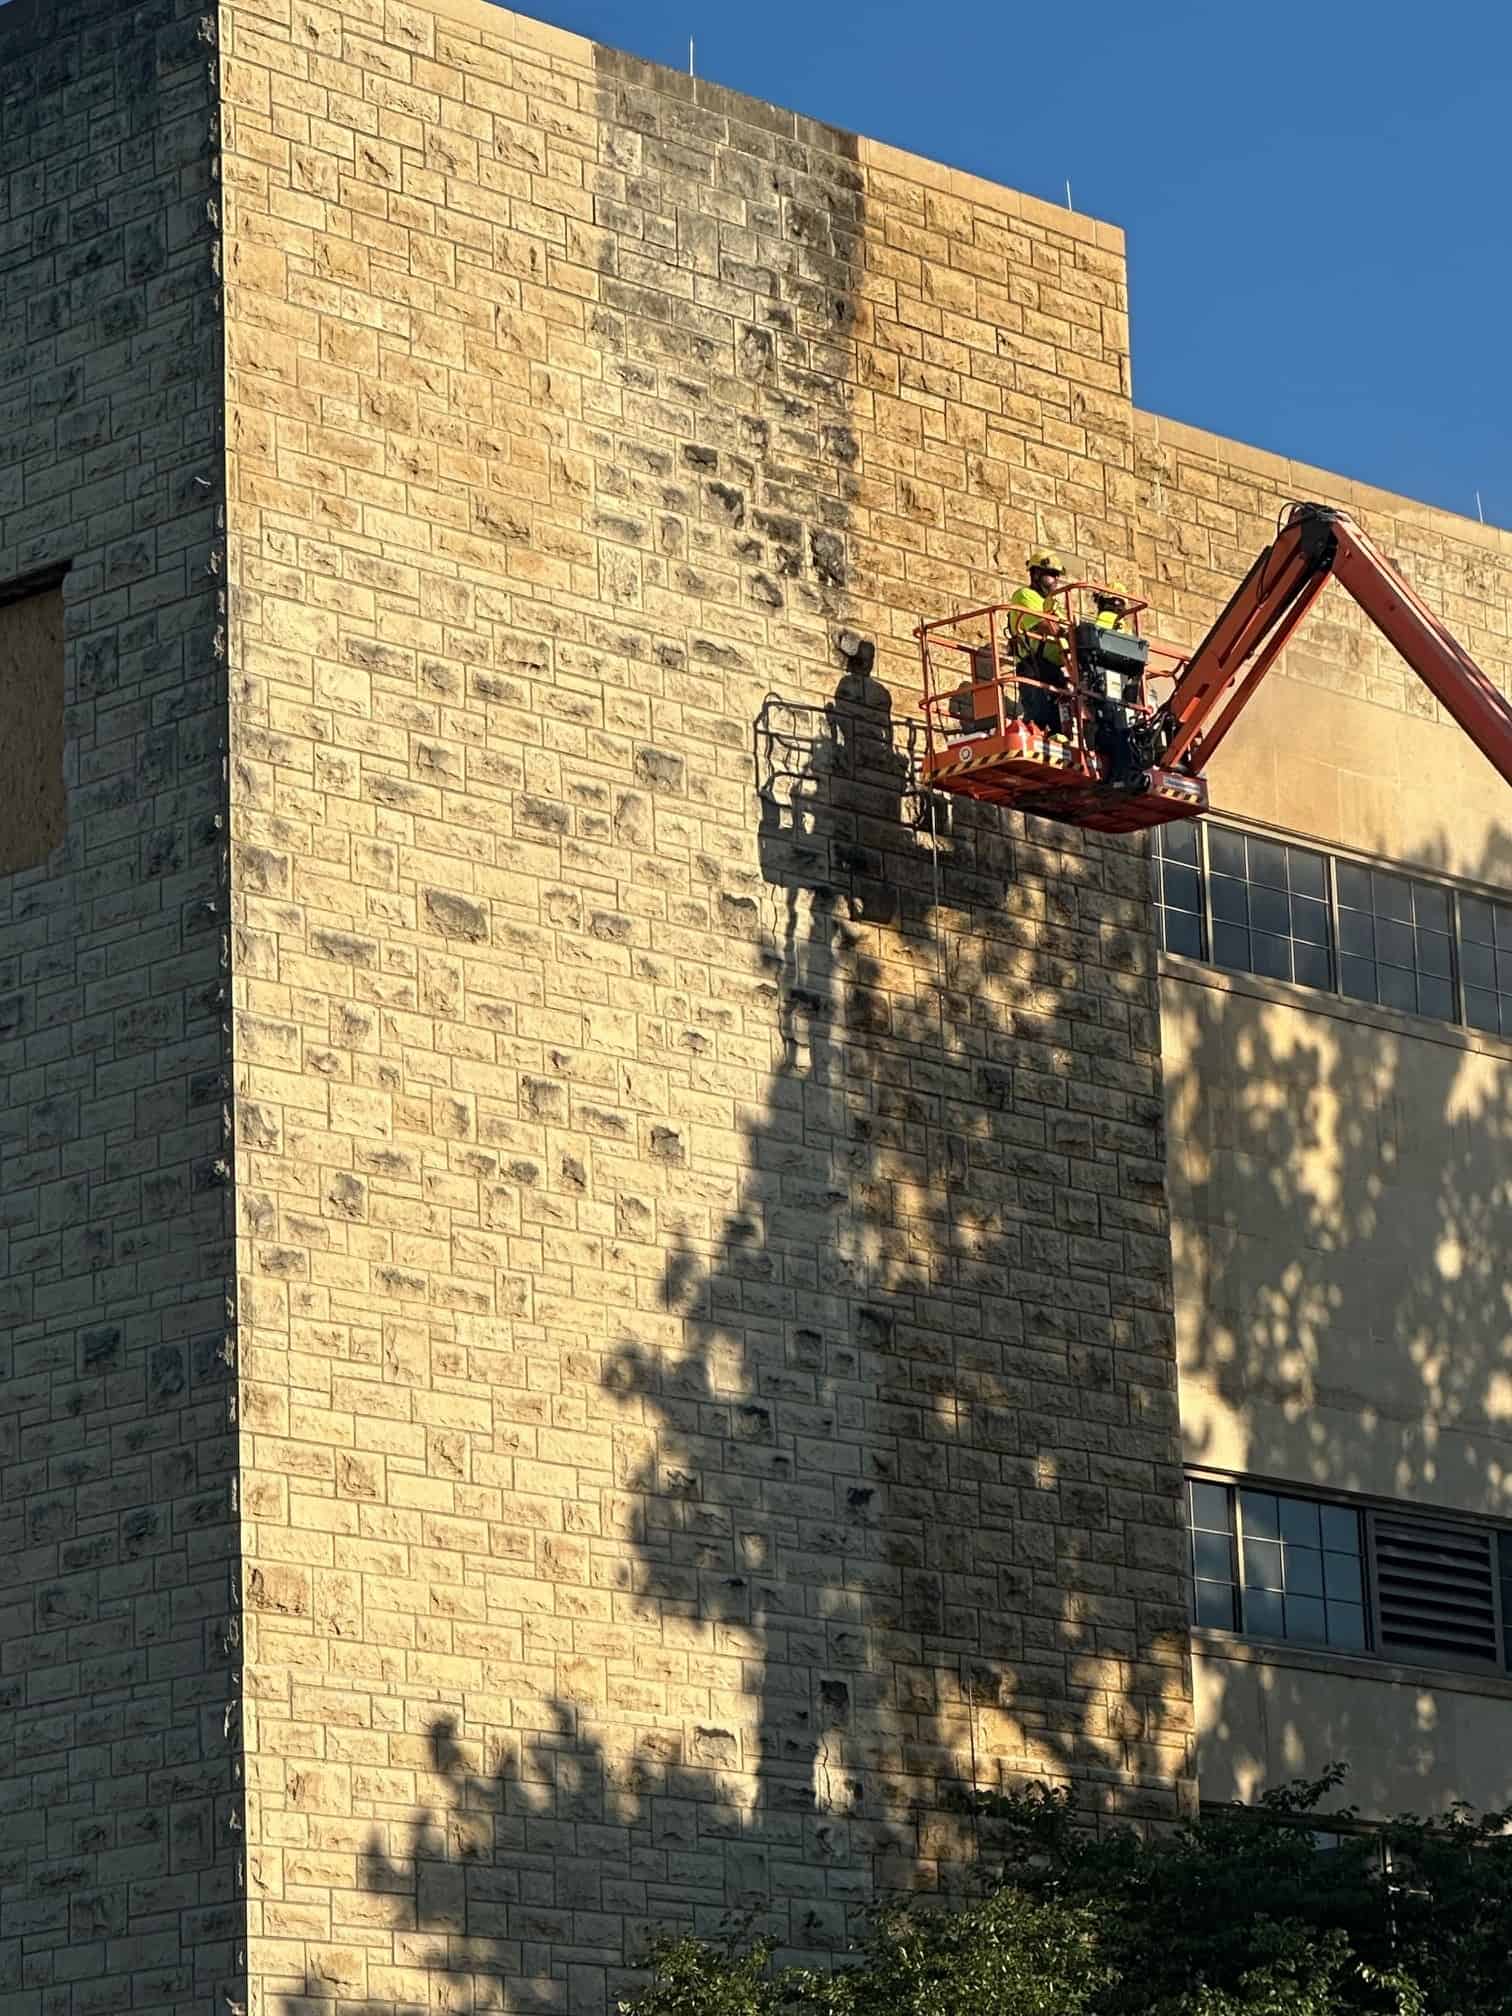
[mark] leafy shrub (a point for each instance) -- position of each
(1241, 1913)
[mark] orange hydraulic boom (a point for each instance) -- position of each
(983, 748)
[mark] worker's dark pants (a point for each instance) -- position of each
(1042, 710)
(1113, 742)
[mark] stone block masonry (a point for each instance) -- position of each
(703, 1385)
(119, 1833)
(706, 1375)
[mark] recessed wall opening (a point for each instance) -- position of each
(33, 802)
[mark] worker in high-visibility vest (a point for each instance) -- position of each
(1036, 643)
(1112, 604)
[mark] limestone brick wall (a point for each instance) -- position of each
(706, 1372)
(117, 1740)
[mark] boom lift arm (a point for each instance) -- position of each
(1317, 543)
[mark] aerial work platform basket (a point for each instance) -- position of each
(1043, 709)
(1084, 747)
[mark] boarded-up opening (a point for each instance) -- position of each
(33, 805)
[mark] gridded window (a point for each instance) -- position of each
(1485, 954)
(1178, 890)
(1210, 1515)
(1395, 941)
(1290, 913)
(1270, 908)
(1277, 1567)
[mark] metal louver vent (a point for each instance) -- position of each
(1435, 1589)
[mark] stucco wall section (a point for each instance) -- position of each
(707, 1370)
(1340, 1211)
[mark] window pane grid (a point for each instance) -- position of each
(1178, 889)
(1284, 912)
(1273, 1566)
(1485, 949)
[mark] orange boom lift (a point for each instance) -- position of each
(1128, 759)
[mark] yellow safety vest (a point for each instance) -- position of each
(1026, 638)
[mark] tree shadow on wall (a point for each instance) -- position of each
(895, 1475)
(894, 1480)
(1342, 1206)
(910, 1471)
(512, 1887)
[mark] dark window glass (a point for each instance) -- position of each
(1210, 1515)
(1354, 886)
(1210, 1507)
(1478, 965)
(1304, 1571)
(1310, 965)
(1395, 941)
(1181, 888)
(1267, 863)
(1346, 1627)
(1213, 1557)
(1270, 957)
(1230, 900)
(1307, 1619)
(1371, 934)
(1226, 851)
(1341, 1528)
(1178, 889)
(1264, 1613)
(1476, 921)
(1299, 1522)
(1396, 988)
(1393, 896)
(1269, 912)
(1262, 1564)
(1215, 1605)
(1262, 1517)
(1481, 1009)
(1309, 874)
(1436, 997)
(1178, 841)
(1433, 953)
(1430, 907)
(1300, 1574)
(1357, 977)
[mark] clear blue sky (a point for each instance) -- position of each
(1314, 195)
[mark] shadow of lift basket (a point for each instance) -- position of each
(1127, 758)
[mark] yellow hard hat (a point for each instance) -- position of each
(1112, 588)
(1047, 560)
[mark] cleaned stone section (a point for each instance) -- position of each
(706, 1373)
(117, 1885)
(33, 805)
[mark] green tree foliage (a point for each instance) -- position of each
(1283, 1909)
